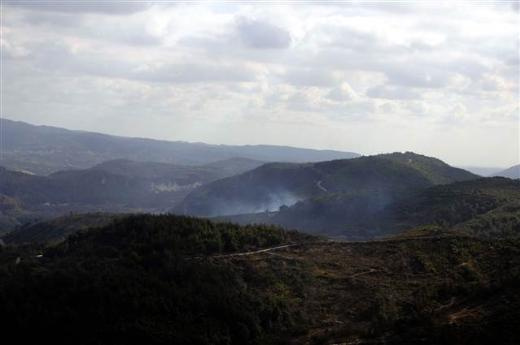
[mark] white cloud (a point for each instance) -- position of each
(262, 35)
(73, 7)
(392, 92)
(310, 75)
(342, 93)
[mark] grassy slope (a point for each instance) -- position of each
(448, 290)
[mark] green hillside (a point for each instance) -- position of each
(164, 280)
(383, 177)
(481, 206)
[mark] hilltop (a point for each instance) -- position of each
(323, 197)
(276, 184)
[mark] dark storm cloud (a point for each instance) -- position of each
(262, 35)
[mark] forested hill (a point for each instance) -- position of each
(165, 280)
(487, 207)
(380, 179)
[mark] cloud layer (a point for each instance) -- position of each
(441, 79)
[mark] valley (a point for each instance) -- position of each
(395, 248)
(231, 172)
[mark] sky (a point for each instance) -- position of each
(433, 77)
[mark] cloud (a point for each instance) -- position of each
(342, 93)
(262, 35)
(392, 92)
(193, 73)
(416, 75)
(55, 19)
(327, 76)
(11, 50)
(309, 77)
(61, 59)
(91, 6)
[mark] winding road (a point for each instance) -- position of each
(254, 251)
(320, 186)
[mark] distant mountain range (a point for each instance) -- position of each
(482, 171)
(513, 172)
(43, 150)
(355, 198)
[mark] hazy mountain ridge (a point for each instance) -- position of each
(45, 149)
(112, 186)
(379, 179)
(512, 172)
(482, 171)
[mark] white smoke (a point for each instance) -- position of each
(273, 203)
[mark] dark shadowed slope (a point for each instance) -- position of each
(486, 207)
(57, 229)
(43, 150)
(164, 280)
